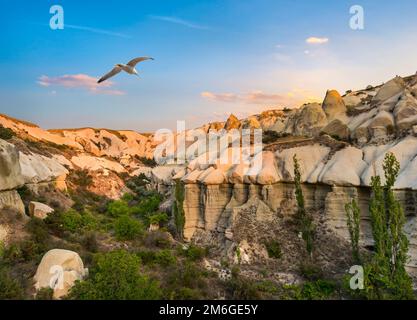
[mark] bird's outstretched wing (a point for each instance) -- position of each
(110, 74)
(134, 62)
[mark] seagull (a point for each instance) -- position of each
(129, 68)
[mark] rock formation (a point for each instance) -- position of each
(58, 270)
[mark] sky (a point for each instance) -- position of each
(212, 58)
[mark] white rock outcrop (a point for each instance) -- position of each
(58, 270)
(10, 171)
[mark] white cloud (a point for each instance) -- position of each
(293, 98)
(316, 40)
(83, 81)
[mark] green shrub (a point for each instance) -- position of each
(89, 241)
(310, 271)
(147, 206)
(44, 294)
(158, 239)
(158, 218)
(82, 178)
(127, 228)
(72, 221)
(187, 275)
(274, 249)
(38, 230)
(195, 253)
(10, 288)
(6, 133)
(115, 276)
(318, 290)
(165, 258)
(242, 289)
(148, 162)
(118, 208)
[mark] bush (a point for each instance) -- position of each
(157, 239)
(158, 218)
(242, 289)
(148, 162)
(195, 253)
(127, 228)
(318, 290)
(74, 221)
(10, 288)
(82, 178)
(147, 206)
(274, 249)
(310, 271)
(118, 208)
(38, 231)
(115, 276)
(165, 258)
(44, 294)
(89, 241)
(6, 133)
(187, 275)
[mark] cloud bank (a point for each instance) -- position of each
(290, 99)
(82, 81)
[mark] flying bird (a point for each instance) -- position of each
(129, 68)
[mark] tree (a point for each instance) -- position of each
(305, 220)
(353, 221)
(115, 276)
(385, 274)
(178, 209)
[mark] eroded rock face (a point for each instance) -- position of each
(10, 200)
(38, 168)
(333, 105)
(388, 90)
(10, 171)
(232, 123)
(405, 112)
(59, 269)
(307, 121)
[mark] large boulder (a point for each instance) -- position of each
(382, 124)
(405, 112)
(337, 129)
(10, 171)
(232, 123)
(39, 210)
(333, 105)
(251, 123)
(389, 89)
(307, 121)
(58, 270)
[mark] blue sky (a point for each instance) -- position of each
(212, 58)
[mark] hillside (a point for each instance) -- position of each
(205, 226)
